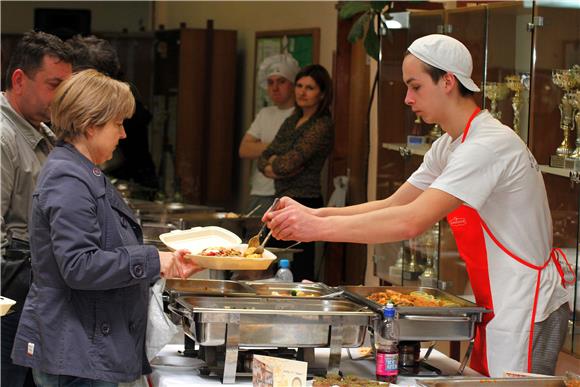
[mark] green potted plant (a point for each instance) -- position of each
(369, 14)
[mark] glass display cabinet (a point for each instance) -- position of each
(526, 58)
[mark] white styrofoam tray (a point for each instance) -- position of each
(198, 238)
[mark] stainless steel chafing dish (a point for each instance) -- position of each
(294, 290)
(272, 322)
(175, 288)
(473, 382)
(206, 287)
(425, 323)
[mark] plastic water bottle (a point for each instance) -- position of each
(284, 274)
(386, 341)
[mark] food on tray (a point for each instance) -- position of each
(300, 293)
(220, 252)
(293, 293)
(250, 253)
(229, 252)
(347, 381)
(416, 298)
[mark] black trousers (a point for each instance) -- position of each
(302, 266)
(16, 278)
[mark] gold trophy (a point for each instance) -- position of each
(495, 91)
(573, 162)
(434, 133)
(516, 84)
(429, 276)
(396, 270)
(412, 269)
(566, 80)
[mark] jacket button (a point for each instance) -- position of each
(138, 270)
(132, 327)
(105, 329)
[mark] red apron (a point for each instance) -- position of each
(470, 233)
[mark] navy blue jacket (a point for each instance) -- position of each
(86, 312)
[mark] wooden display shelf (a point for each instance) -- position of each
(418, 150)
(555, 171)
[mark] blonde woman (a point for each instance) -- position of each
(84, 319)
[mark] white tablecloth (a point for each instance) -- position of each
(186, 374)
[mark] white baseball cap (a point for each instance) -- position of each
(283, 65)
(447, 54)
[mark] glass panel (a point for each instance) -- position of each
(468, 25)
(509, 47)
(422, 23)
(395, 123)
(556, 51)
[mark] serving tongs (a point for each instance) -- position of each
(255, 240)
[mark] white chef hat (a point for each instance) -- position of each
(448, 54)
(281, 64)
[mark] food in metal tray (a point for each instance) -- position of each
(416, 298)
(294, 293)
(347, 381)
(229, 252)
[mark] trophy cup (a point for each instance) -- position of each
(573, 162)
(516, 84)
(495, 91)
(566, 80)
(429, 276)
(412, 270)
(397, 269)
(434, 133)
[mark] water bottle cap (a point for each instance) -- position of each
(284, 263)
(389, 311)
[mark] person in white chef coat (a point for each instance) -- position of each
(482, 177)
(276, 75)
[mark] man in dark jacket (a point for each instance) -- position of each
(132, 160)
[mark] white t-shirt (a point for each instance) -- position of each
(494, 172)
(264, 128)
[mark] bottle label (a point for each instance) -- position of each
(387, 364)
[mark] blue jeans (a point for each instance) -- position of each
(12, 375)
(42, 379)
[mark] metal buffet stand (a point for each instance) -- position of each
(228, 318)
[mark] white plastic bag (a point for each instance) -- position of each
(160, 329)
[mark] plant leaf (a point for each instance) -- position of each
(358, 28)
(372, 42)
(378, 6)
(351, 8)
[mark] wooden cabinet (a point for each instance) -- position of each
(194, 93)
(521, 40)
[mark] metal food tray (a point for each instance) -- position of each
(425, 323)
(473, 382)
(273, 322)
(206, 287)
(284, 289)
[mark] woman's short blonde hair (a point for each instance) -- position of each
(89, 98)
